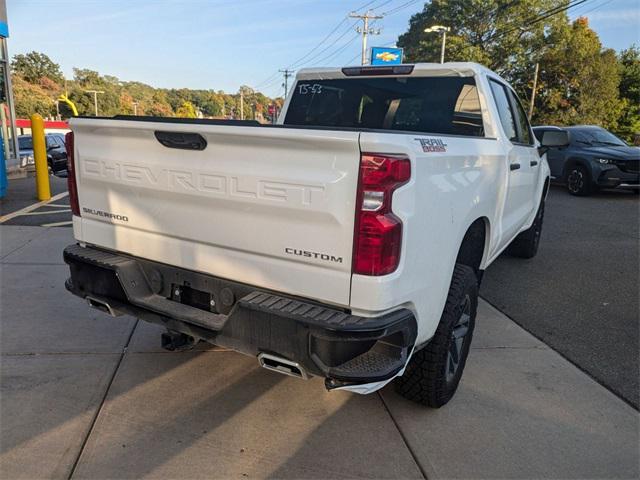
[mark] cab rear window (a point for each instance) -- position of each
(445, 105)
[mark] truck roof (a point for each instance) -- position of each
(463, 69)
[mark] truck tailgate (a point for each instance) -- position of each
(270, 207)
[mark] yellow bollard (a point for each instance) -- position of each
(40, 157)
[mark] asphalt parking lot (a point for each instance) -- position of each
(580, 294)
(19, 207)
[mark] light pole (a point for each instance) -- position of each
(533, 91)
(443, 31)
(95, 98)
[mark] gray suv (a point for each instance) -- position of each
(595, 158)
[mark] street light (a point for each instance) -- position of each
(443, 31)
(95, 98)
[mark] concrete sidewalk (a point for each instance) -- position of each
(89, 396)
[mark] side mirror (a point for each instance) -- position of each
(553, 139)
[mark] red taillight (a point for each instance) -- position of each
(378, 232)
(71, 175)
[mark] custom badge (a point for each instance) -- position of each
(432, 145)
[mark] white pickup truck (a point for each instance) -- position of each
(347, 242)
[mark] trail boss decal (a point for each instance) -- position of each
(432, 145)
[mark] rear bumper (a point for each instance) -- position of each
(58, 165)
(326, 341)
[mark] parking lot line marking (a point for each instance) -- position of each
(22, 211)
(48, 212)
(57, 224)
(57, 205)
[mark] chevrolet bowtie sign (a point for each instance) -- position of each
(386, 56)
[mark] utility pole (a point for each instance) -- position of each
(443, 31)
(95, 98)
(365, 30)
(533, 91)
(287, 73)
(241, 104)
(135, 108)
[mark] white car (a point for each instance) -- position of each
(347, 241)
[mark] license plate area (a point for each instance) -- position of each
(187, 295)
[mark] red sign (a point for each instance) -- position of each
(26, 123)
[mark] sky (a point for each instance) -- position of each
(222, 44)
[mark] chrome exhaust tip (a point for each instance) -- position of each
(102, 306)
(282, 365)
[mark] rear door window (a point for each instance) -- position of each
(504, 110)
(522, 122)
(445, 105)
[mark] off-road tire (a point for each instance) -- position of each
(425, 379)
(525, 245)
(579, 182)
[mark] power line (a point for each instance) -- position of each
(293, 64)
(267, 80)
(331, 56)
(344, 20)
(382, 4)
(400, 7)
(270, 79)
(346, 45)
(596, 7)
(539, 18)
(367, 4)
(321, 52)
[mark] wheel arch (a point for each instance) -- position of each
(475, 245)
(573, 161)
(545, 187)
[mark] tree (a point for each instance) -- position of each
(186, 110)
(579, 80)
(86, 77)
(34, 66)
(482, 31)
(212, 105)
(30, 99)
(177, 97)
(629, 122)
(44, 84)
(159, 106)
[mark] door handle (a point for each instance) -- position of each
(514, 166)
(534, 163)
(182, 141)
